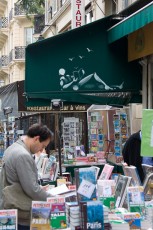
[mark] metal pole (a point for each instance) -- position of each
(7, 132)
(59, 144)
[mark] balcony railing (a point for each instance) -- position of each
(18, 10)
(4, 61)
(18, 53)
(3, 22)
(39, 23)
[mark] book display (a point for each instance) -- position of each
(72, 135)
(96, 135)
(120, 132)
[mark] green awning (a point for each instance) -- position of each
(79, 66)
(132, 23)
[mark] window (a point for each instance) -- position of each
(2, 83)
(29, 36)
(48, 9)
(88, 14)
(54, 6)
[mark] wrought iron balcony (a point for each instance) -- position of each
(39, 23)
(4, 61)
(3, 22)
(17, 54)
(18, 10)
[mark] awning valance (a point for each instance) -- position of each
(132, 23)
(79, 66)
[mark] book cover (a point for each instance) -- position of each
(108, 201)
(106, 172)
(50, 170)
(120, 192)
(135, 198)
(106, 192)
(58, 212)
(40, 215)
(106, 188)
(132, 171)
(147, 169)
(133, 219)
(86, 183)
(8, 219)
(97, 169)
(93, 215)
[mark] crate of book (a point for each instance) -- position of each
(8, 219)
(40, 215)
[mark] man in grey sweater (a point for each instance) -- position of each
(20, 166)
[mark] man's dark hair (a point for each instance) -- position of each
(39, 130)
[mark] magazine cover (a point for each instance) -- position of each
(40, 215)
(58, 212)
(133, 219)
(8, 219)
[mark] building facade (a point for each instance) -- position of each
(17, 31)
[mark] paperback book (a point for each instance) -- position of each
(86, 184)
(93, 215)
(120, 192)
(135, 198)
(106, 192)
(40, 215)
(8, 219)
(58, 212)
(132, 172)
(133, 219)
(106, 172)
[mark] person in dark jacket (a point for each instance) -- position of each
(131, 153)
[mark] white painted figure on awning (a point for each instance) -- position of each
(78, 78)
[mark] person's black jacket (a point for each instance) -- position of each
(131, 153)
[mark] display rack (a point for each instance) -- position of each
(120, 132)
(72, 134)
(100, 128)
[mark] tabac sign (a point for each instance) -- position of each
(78, 13)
